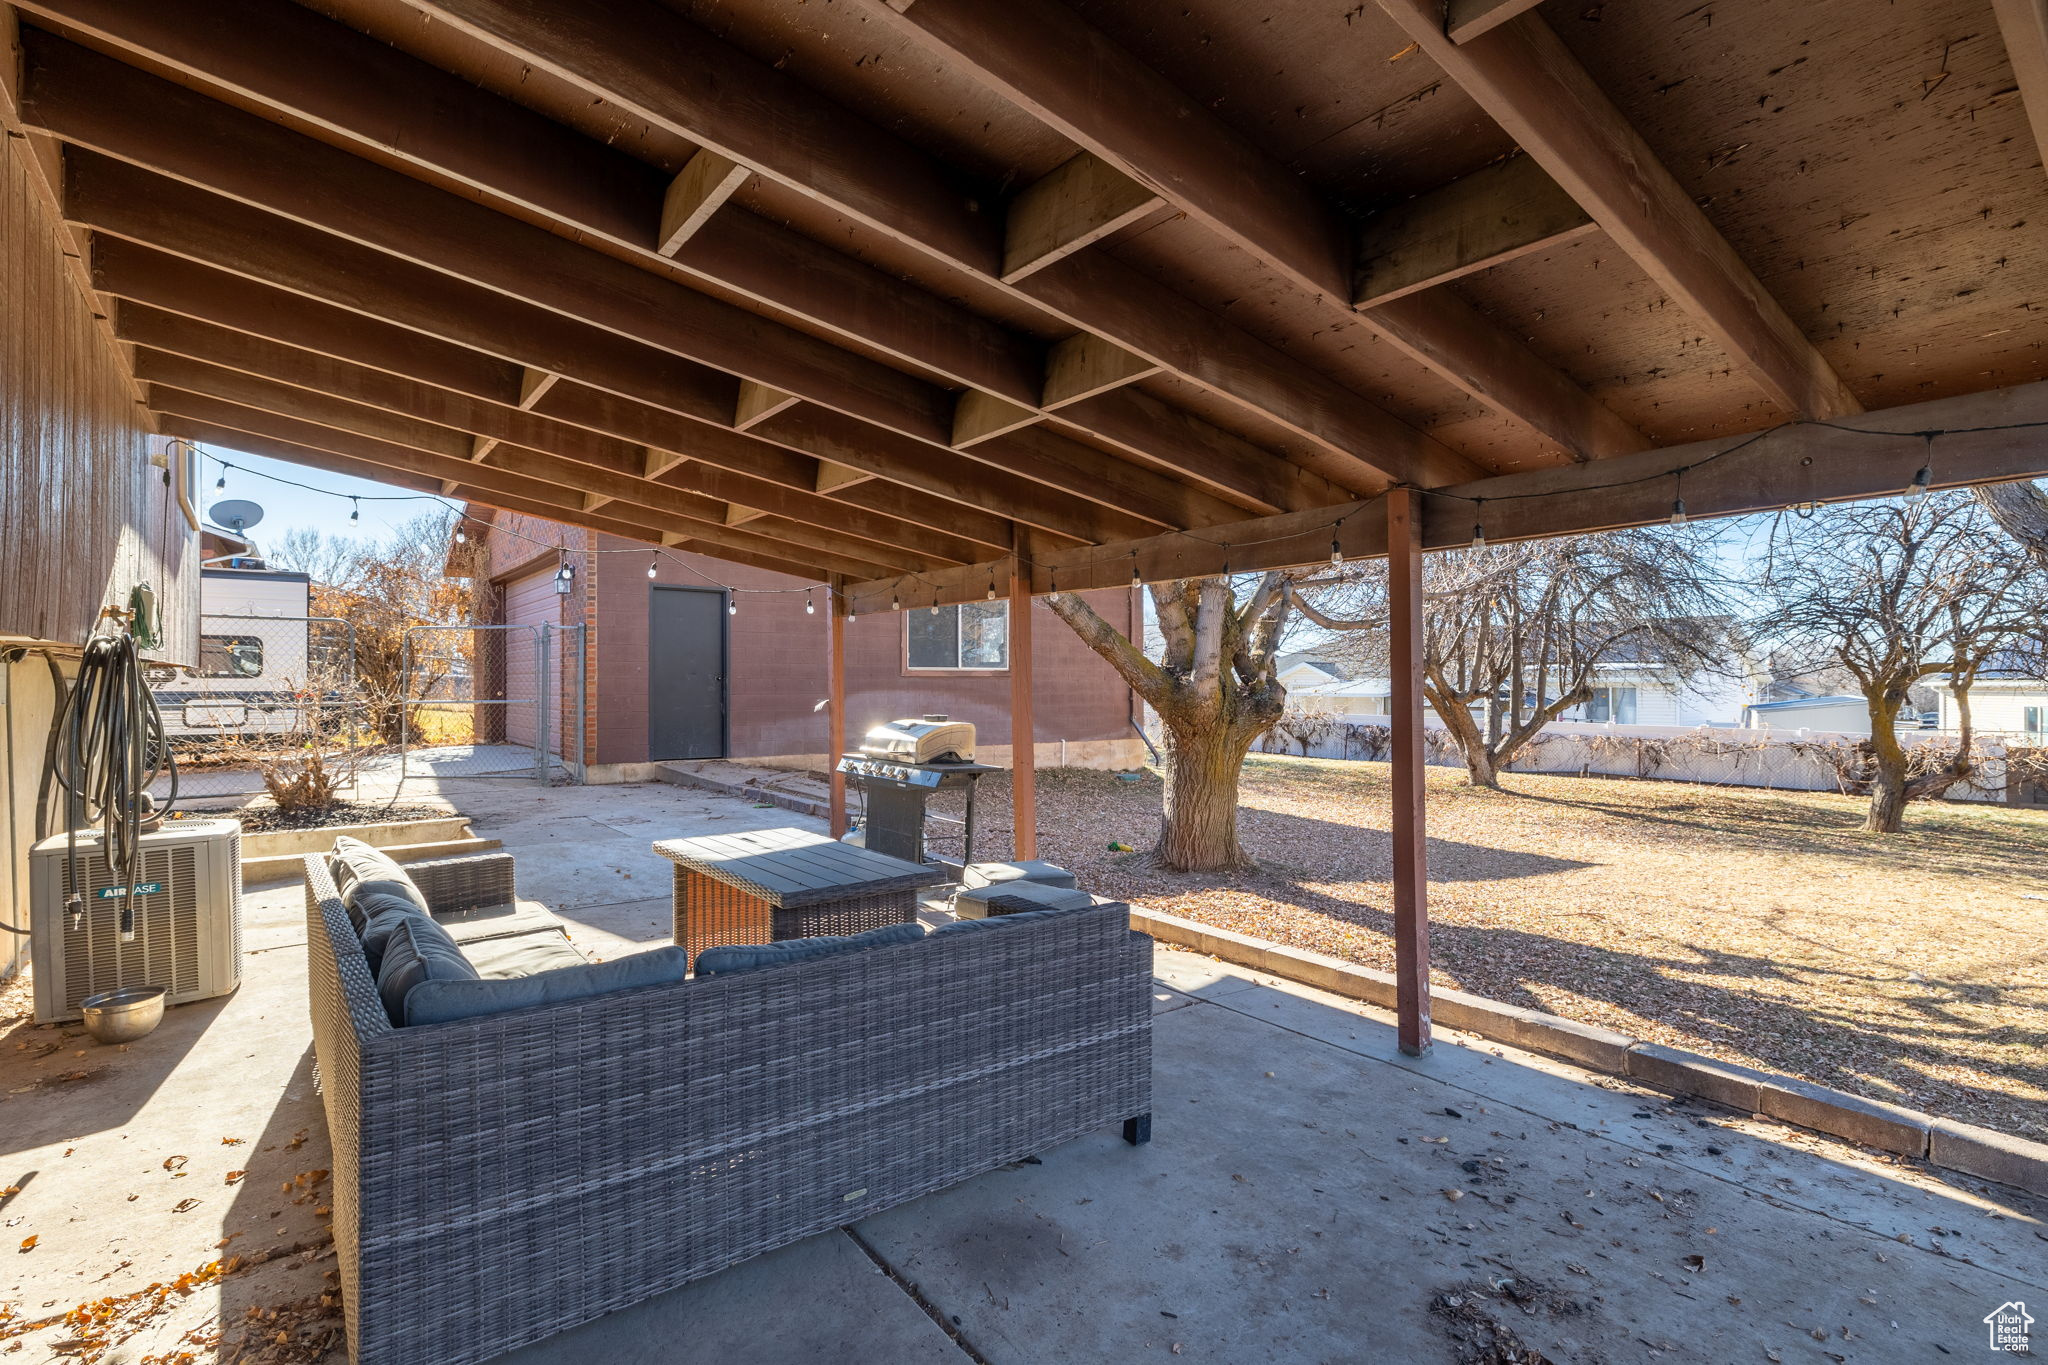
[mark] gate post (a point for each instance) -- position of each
(540, 692)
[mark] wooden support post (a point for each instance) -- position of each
(1411, 866)
(1023, 733)
(835, 691)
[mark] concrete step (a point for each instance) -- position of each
(748, 784)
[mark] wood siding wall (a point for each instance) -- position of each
(84, 516)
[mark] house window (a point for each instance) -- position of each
(230, 656)
(972, 635)
(2031, 718)
(1617, 704)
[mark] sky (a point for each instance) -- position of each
(286, 508)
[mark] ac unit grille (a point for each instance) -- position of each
(165, 950)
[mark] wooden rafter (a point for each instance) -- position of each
(1055, 64)
(2024, 26)
(1477, 221)
(649, 60)
(1526, 79)
(314, 71)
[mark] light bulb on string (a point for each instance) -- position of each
(895, 601)
(1478, 526)
(1924, 478)
(1336, 550)
(732, 605)
(221, 482)
(1678, 497)
(810, 605)
(461, 538)
(1678, 512)
(1137, 579)
(653, 567)
(935, 601)
(355, 512)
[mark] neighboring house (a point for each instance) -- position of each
(2009, 697)
(1341, 696)
(1841, 715)
(671, 674)
(1648, 692)
(1301, 671)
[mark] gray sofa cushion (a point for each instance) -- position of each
(1030, 870)
(496, 921)
(378, 911)
(978, 901)
(417, 952)
(502, 959)
(438, 1001)
(747, 957)
(976, 926)
(359, 869)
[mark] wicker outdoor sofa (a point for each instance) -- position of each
(500, 1179)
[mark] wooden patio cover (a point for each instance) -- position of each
(915, 294)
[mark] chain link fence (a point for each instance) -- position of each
(266, 690)
(503, 701)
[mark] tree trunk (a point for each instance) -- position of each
(1199, 831)
(1480, 768)
(1888, 783)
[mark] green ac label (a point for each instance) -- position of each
(113, 893)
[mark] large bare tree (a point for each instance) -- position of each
(1215, 691)
(1895, 592)
(1521, 631)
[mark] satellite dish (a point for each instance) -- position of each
(236, 514)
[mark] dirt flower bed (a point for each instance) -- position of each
(258, 819)
(1761, 927)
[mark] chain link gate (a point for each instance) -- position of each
(268, 691)
(503, 701)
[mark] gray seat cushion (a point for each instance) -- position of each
(747, 957)
(1029, 870)
(502, 959)
(441, 1001)
(497, 921)
(1007, 898)
(359, 869)
(417, 952)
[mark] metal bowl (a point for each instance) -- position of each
(123, 1016)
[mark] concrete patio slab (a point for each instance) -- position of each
(1296, 1205)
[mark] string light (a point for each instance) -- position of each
(653, 567)
(222, 481)
(935, 601)
(1336, 550)
(1478, 527)
(1924, 478)
(732, 604)
(895, 602)
(461, 538)
(810, 605)
(355, 511)
(1137, 579)
(1678, 496)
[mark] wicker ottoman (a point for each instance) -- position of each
(769, 885)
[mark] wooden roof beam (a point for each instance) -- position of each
(534, 385)
(757, 403)
(1085, 365)
(648, 59)
(706, 182)
(1057, 66)
(1082, 201)
(1465, 20)
(231, 420)
(1530, 84)
(1475, 222)
(2024, 26)
(274, 378)
(1990, 440)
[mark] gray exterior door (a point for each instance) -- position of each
(686, 674)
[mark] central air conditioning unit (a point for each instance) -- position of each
(187, 898)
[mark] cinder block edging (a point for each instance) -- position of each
(1980, 1152)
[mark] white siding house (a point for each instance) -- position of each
(2000, 706)
(1837, 715)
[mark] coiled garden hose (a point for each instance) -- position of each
(111, 750)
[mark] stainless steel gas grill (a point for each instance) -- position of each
(898, 768)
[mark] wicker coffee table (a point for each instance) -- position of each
(773, 884)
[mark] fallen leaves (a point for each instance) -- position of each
(28, 1243)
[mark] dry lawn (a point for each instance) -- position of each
(1756, 926)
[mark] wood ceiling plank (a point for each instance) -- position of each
(1476, 222)
(1235, 470)
(1530, 84)
(534, 385)
(1082, 201)
(2024, 26)
(757, 403)
(704, 184)
(977, 416)
(1058, 66)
